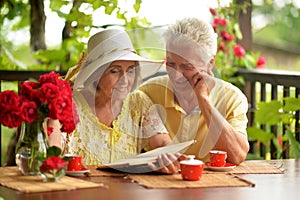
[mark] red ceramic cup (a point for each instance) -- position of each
(74, 162)
(217, 158)
(191, 169)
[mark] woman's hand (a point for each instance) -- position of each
(168, 163)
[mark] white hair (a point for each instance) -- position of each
(196, 31)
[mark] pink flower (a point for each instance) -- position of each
(260, 62)
(239, 51)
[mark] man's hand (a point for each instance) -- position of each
(168, 163)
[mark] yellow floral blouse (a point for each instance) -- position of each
(99, 144)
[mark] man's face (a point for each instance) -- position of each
(182, 65)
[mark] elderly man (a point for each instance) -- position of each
(195, 104)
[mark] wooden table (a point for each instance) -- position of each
(267, 186)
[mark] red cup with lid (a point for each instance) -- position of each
(191, 169)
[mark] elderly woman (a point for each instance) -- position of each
(116, 122)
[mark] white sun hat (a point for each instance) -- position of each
(105, 47)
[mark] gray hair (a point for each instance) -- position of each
(196, 31)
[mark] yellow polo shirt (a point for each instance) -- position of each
(226, 98)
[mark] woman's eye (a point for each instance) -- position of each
(113, 71)
(130, 70)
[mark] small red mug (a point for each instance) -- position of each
(217, 158)
(191, 169)
(74, 162)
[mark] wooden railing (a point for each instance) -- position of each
(266, 85)
(255, 79)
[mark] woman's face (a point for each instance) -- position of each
(118, 79)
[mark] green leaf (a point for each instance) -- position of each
(268, 112)
(260, 135)
(291, 104)
(295, 145)
(50, 55)
(237, 31)
(137, 5)
(53, 151)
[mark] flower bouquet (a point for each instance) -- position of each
(47, 98)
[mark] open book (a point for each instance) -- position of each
(138, 164)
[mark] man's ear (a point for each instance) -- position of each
(211, 63)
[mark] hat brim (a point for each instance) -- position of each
(148, 67)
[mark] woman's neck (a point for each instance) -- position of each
(107, 110)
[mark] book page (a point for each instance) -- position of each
(150, 156)
(174, 148)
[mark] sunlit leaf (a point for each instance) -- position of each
(268, 112)
(237, 30)
(295, 145)
(260, 135)
(291, 104)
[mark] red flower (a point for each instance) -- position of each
(48, 92)
(48, 97)
(29, 90)
(279, 140)
(51, 77)
(219, 21)
(213, 11)
(52, 163)
(226, 36)
(49, 130)
(260, 62)
(239, 51)
(11, 118)
(29, 111)
(9, 99)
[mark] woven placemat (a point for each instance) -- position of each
(175, 181)
(254, 167)
(11, 178)
(95, 171)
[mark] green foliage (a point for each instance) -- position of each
(295, 145)
(53, 151)
(280, 21)
(78, 18)
(277, 113)
(260, 135)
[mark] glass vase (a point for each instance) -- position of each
(53, 175)
(31, 147)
